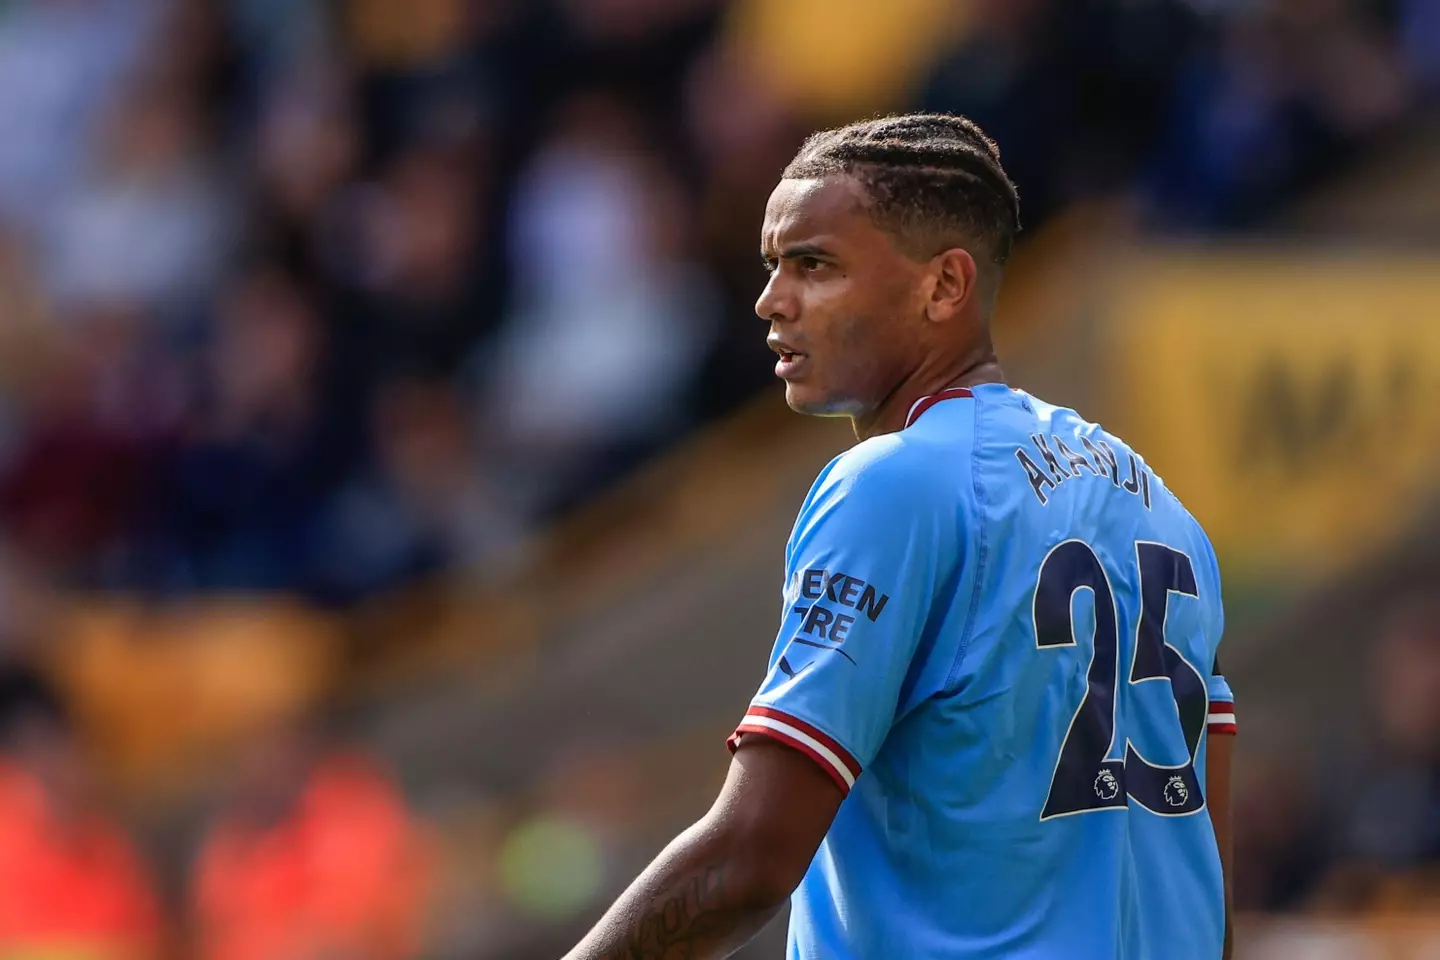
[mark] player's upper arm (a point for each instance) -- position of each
(775, 808)
(876, 543)
(1221, 719)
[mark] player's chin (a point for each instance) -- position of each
(803, 398)
(808, 399)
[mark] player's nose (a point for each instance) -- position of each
(775, 304)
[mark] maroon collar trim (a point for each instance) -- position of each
(925, 403)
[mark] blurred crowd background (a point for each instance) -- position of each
(392, 484)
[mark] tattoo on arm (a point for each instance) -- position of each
(722, 880)
(677, 924)
(690, 905)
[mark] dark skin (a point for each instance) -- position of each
(718, 883)
(873, 328)
(876, 328)
(1217, 799)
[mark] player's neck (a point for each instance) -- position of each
(890, 415)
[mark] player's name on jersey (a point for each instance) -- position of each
(1054, 462)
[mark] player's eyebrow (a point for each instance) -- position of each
(794, 252)
(798, 250)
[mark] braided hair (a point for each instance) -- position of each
(930, 178)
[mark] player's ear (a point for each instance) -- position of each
(954, 273)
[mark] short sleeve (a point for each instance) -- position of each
(1222, 702)
(863, 566)
(1221, 718)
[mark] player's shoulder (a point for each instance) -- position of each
(905, 459)
(893, 474)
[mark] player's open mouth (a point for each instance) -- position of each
(789, 365)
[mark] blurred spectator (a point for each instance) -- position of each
(307, 144)
(637, 50)
(612, 310)
(73, 884)
(1420, 33)
(1355, 828)
(552, 206)
(1390, 824)
(1289, 90)
(1281, 846)
(26, 336)
(147, 227)
(740, 134)
(59, 64)
(420, 33)
(314, 855)
(426, 504)
(448, 70)
(249, 479)
(411, 261)
(106, 403)
(1075, 93)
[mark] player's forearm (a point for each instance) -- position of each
(701, 898)
(1217, 789)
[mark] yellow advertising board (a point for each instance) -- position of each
(1292, 401)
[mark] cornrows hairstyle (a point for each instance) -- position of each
(929, 177)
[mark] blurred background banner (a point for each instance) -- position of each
(1294, 397)
(393, 484)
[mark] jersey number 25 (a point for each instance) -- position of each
(1084, 780)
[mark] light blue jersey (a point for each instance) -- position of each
(999, 638)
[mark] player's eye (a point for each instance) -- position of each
(809, 264)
